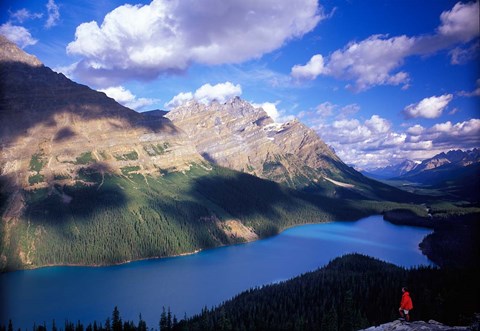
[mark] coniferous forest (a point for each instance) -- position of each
(351, 292)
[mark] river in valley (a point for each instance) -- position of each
(186, 284)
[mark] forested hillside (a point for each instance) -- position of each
(107, 218)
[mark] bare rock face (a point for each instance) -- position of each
(51, 128)
(239, 136)
(9, 52)
(431, 325)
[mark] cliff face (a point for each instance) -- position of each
(239, 136)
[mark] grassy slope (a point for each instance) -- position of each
(120, 218)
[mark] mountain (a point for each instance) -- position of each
(85, 180)
(392, 171)
(239, 136)
(456, 172)
(453, 159)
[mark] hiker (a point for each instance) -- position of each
(406, 304)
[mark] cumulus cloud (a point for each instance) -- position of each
(376, 124)
(219, 92)
(377, 59)
(461, 23)
(17, 34)
(311, 70)
(207, 93)
(271, 109)
(127, 98)
(168, 36)
(415, 130)
(179, 100)
(431, 107)
(374, 142)
(53, 14)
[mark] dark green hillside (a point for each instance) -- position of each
(107, 218)
(351, 292)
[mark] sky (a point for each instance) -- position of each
(379, 81)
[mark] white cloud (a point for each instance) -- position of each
(23, 15)
(369, 62)
(415, 130)
(376, 124)
(271, 109)
(373, 142)
(429, 107)
(461, 23)
(127, 98)
(143, 41)
(17, 34)
(377, 59)
(179, 100)
(311, 70)
(325, 109)
(66, 70)
(219, 92)
(53, 14)
(207, 93)
(461, 55)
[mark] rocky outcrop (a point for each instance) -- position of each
(239, 136)
(431, 325)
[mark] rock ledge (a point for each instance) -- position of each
(431, 325)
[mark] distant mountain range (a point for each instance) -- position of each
(456, 172)
(391, 171)
(85, 180)
(453, 159)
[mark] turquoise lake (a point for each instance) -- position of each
(186, 284)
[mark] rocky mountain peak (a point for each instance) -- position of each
(9, 52)
(237, 135)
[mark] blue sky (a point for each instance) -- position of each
(380, 81)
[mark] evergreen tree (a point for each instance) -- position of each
(108, 326)
(142, 325)
(163, 320)
(116, 320)
(330, 320)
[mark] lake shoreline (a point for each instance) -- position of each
(399, 222)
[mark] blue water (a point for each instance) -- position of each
(189, 283)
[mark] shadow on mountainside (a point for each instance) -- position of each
(32, 95)
(93, 192)
(247, 197)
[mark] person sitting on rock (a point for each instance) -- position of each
(406, 304)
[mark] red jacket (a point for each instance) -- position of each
(406, 302)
